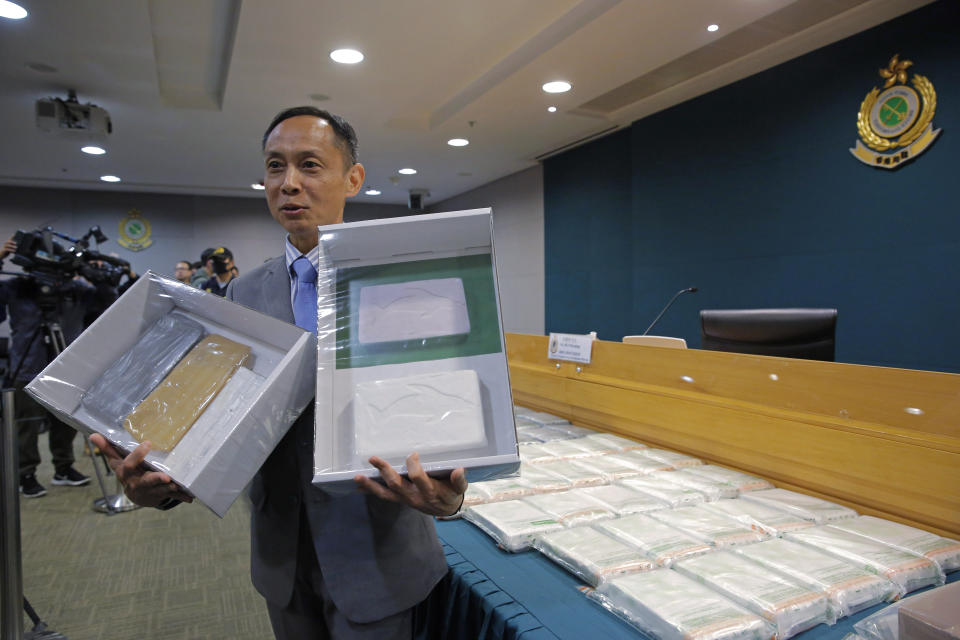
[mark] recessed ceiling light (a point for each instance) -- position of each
(713, 28)
(552, 109)
(558, 86)
(346, 56)
(407, 171)
(464, 173)
(256, 186)
(93, 150)
(458, 142)
(372, 192)
(11, 10)
(319, 97)
(110, 178)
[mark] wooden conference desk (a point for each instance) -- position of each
(883, 441)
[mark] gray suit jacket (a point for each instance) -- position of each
(377, 557)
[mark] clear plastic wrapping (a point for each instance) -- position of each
(669, 606)
(513, 524)
(640, 462)
(534, 453)
(759, 516)
(742, 481)
(170, 410)
(622, 500)
(712, 489)
(535, 433)
(848, 588)
(610, 467)
(791, 607)
(543, 480)
(543, 418)
(807, 507)
(713, 528)
(571, 508)
(568, 450)
(673, 494)
(882, 625)
(944, 551)
(410, 350)
(674, 459)
(591, 554)
(575, 474)
(567, 430)
(594, 445)
(615, 442)
(908, 571)
(138, 371)
(503, 489)
(661, 543)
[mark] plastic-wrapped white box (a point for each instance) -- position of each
(848, 588)
(673, 494)
(669, 606)
(791, 607)
(570, 508)
(610, 467)
(907, 570)
(591, 554)
(513, 524)
(742, 481)
(944, 551)
(411, 354)
(712, 489)
(808, 507)
(623, 501)
(577, 475)
(219, 455)
(615, 442)
(676, 460)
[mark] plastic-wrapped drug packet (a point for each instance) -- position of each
(576, 475)
(542, 480)
(476, 494)
(712, 489)
(944, 551)
(791, 607)
(671, 493)
(513, 524)
(566, 430)
(807, 507)
(622, 500)
(640, 462)
(661, 543)
(570, 508)
(534, 453)
(593, 445)
(504, 489)
(617, 443)
(544, 418)
(141, 369)
(713, 528)
(567, 450)
(677, 460)
(742, 481)
(534, 433)
(592, 555)
(759, 516)
(848, 588)
(908, 571)
(670, 606)
(610, 467)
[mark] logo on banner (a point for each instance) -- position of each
(135, 232)
(896, 123)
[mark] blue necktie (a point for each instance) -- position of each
(305, 295)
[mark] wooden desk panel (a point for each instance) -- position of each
(839, 431)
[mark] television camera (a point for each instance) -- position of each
(52, 265)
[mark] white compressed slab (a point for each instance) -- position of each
(412, 310)
(426, 413)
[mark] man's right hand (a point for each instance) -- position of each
(145, 488)
(8, 247)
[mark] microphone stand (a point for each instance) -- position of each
(675, 296)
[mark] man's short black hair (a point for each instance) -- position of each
(345, 136)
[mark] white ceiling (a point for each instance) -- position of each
(191, 84)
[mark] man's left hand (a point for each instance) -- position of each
(433, 496)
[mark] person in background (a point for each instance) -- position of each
(221, 262)
(183, 272)
(204, 270)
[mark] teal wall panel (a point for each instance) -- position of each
(750, 194)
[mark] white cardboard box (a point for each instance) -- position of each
(213, 467)
(399, 301)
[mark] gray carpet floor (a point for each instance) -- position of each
(182, 574)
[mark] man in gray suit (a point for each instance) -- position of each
(329, 567)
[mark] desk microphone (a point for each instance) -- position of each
(675, 296)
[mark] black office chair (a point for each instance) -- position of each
(789, 333)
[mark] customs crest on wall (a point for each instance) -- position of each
(135, 231)
(896, 123)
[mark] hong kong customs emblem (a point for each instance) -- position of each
(134, 232)
(896, 123)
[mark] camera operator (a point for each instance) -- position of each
(29, 303)
(221, 261)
